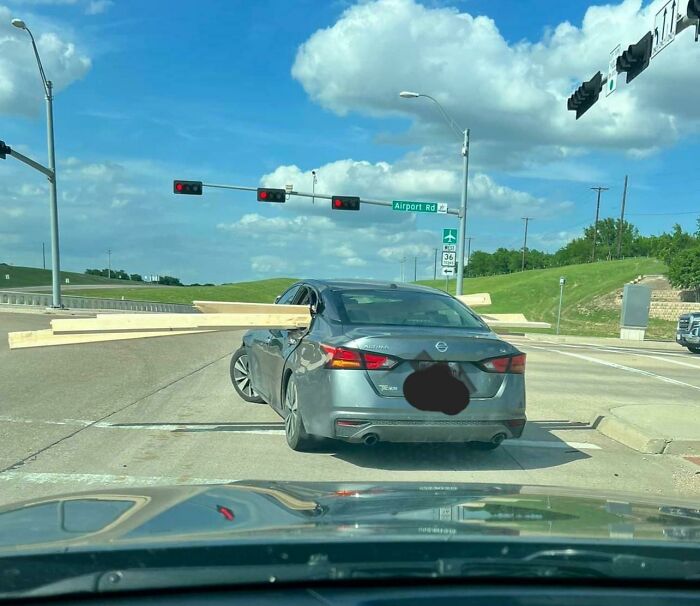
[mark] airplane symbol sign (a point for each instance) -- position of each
(449, 236)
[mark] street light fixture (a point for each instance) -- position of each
(463, 205)
(48, 90)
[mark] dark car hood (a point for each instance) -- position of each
(336, 511)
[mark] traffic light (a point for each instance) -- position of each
(266, 194)
(345, 203)
(191, 188)
(4, 150)
(635, 59)
(585, 95)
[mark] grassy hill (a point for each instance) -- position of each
(261, 291)
(534, 293)
(32, 276)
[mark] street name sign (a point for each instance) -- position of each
(414, 207)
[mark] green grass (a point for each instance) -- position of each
(535, 293)
(32, 276)
(262, 291)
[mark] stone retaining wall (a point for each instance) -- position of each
(666, 310)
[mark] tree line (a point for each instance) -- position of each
(120, 274)
(678, 249)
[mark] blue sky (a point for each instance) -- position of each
(264, 92)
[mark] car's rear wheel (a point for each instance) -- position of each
(495, 442)
(240, 377)
(294, 430)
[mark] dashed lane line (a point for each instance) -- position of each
(631, 369)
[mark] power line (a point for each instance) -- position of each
(685, 212)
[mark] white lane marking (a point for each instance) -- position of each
(75, 422)
(638, 371)
(99, 479)
(545, 444)
(233, 427)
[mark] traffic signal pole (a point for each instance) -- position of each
(463, 215)
(312, 195)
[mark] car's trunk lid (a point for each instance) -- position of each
(461, 349)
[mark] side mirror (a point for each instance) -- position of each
(277, 298)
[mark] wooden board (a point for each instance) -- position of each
(46, 338)
(478, 299)
(222, 307)
(141, 322)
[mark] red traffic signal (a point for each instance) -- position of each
(191, 188)
(345, 203)
(266, 194)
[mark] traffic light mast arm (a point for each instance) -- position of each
(29, 162)
(450, 211)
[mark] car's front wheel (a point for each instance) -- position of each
(294, 430)
(240, 377)
(694, 349)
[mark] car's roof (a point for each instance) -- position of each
(367, 284)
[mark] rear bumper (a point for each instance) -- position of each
(418, 430)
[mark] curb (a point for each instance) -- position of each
(638, 439)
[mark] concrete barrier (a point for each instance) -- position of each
(28, 299)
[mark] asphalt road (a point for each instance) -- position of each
(162, 411)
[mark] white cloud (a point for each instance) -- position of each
(268, 264)
(13, 212)
(414, 177)
(513, 96)
(405, 251)
(96, 7)
(20, 87)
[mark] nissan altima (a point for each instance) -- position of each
(384, 362)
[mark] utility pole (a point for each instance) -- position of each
(597, 214)
(403, 275)
(43, 254)
(527, 220)
(109, 263)
(415, 269)
(435, 265)
(622, 221)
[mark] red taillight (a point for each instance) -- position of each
(341, 357)
(511, 364)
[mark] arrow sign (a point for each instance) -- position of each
(665, 26)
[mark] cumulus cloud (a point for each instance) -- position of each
(414, 177)
(322, 247)
(20, 87)
(512, 95)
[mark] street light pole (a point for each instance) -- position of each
(464, 133)
(527, 220)
(53, 197)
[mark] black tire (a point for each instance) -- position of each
(695, 350)
(240, 377)
(294, 430)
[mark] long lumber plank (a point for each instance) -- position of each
(219, 307)
(479, 299)
(46, 338)
(136, 322)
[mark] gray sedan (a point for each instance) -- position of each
(384, 362)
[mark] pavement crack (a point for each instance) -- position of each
(36, 453)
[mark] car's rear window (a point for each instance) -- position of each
(405, 308)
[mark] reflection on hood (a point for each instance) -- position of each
(331, 511)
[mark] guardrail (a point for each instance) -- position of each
(9, 297)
